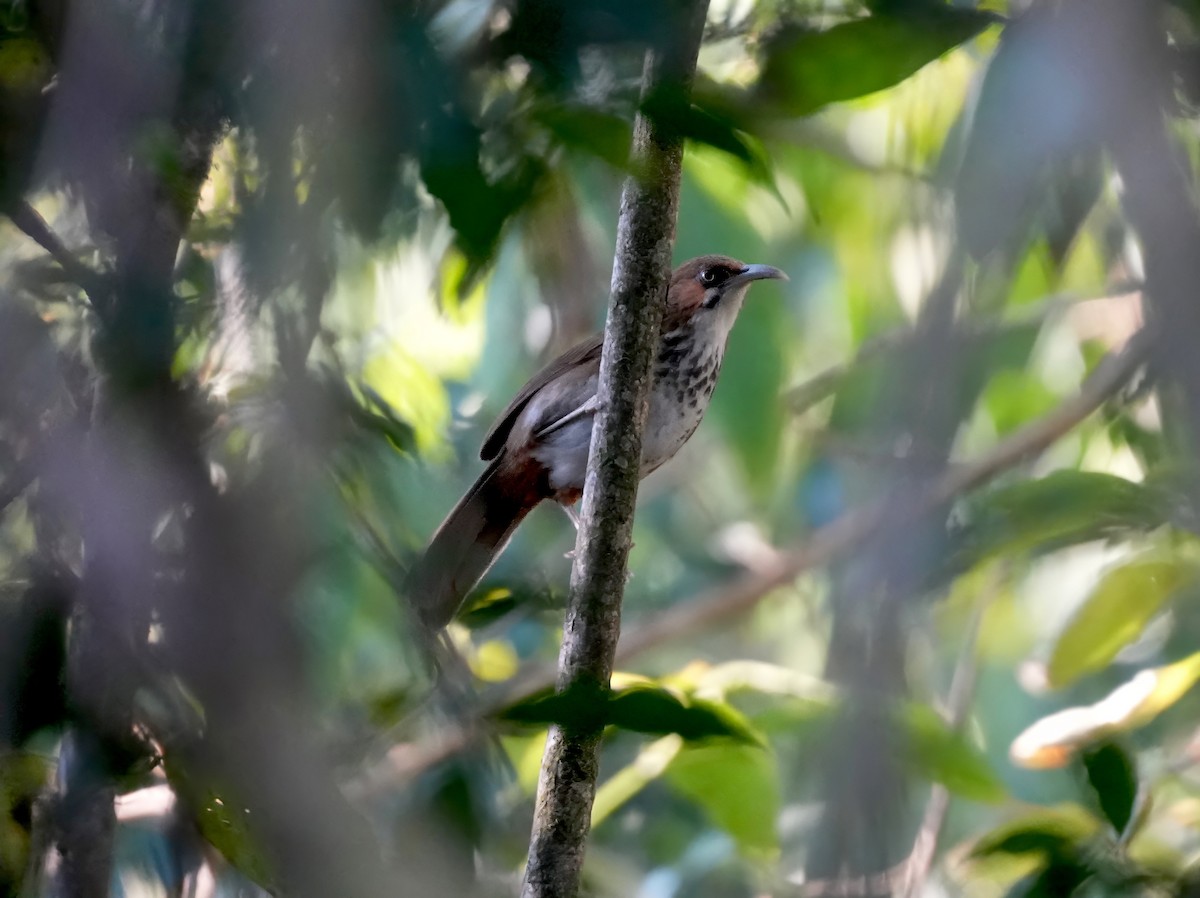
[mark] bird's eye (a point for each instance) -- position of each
(710, 276)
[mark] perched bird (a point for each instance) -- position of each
(538, 448)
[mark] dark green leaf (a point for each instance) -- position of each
(807, 69)
(1064, 508)
(594, 131)
(1049, 833)
(1112, 774)
(643, 708)
(1061, 878)
(709, 123)
(650, 709)
(224, 823)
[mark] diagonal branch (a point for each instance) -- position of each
(30, 222)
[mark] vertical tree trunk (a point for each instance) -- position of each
(645, 238)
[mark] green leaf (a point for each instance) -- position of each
(738, 787)
(1047, 832)
(1112, 774)
(807, 69)
(945, 756)
(590, 130)
(1061, 877)
(227, 829)
(651, 709)
(376, 415)
(641, 708)
(709, 118)
(1064, 508)
(224, 823)
(1115, 613)
(1013, 398)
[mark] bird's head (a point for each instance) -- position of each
(709, 290)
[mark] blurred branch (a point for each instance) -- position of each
(845, 534)
(645, 236)
(30, 222)
(962, 690)
(848, 531)
(804, 396)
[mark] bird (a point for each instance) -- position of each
(538, 448)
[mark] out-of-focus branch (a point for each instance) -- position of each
(32, 225)
(1158, 193)
(845, 534)
(645, 236)
(958, 702)
(824, 383)
(857, 525)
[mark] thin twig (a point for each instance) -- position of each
(831, 541)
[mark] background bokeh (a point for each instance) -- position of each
(269, 271)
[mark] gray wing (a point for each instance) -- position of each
(586, 354)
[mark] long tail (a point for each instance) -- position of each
(467, 542)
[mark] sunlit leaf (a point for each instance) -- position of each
(1055, 739)
(1112, 774)
(707, 123)
(1013, 398)
(649, 709)
(1116, 612)
(738, 787)
(807, 69)
(721, 680)
(1062, 876)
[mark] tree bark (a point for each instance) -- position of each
(642, 265)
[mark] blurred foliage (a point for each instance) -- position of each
(409, 207)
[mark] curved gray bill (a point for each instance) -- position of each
(756, 273)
